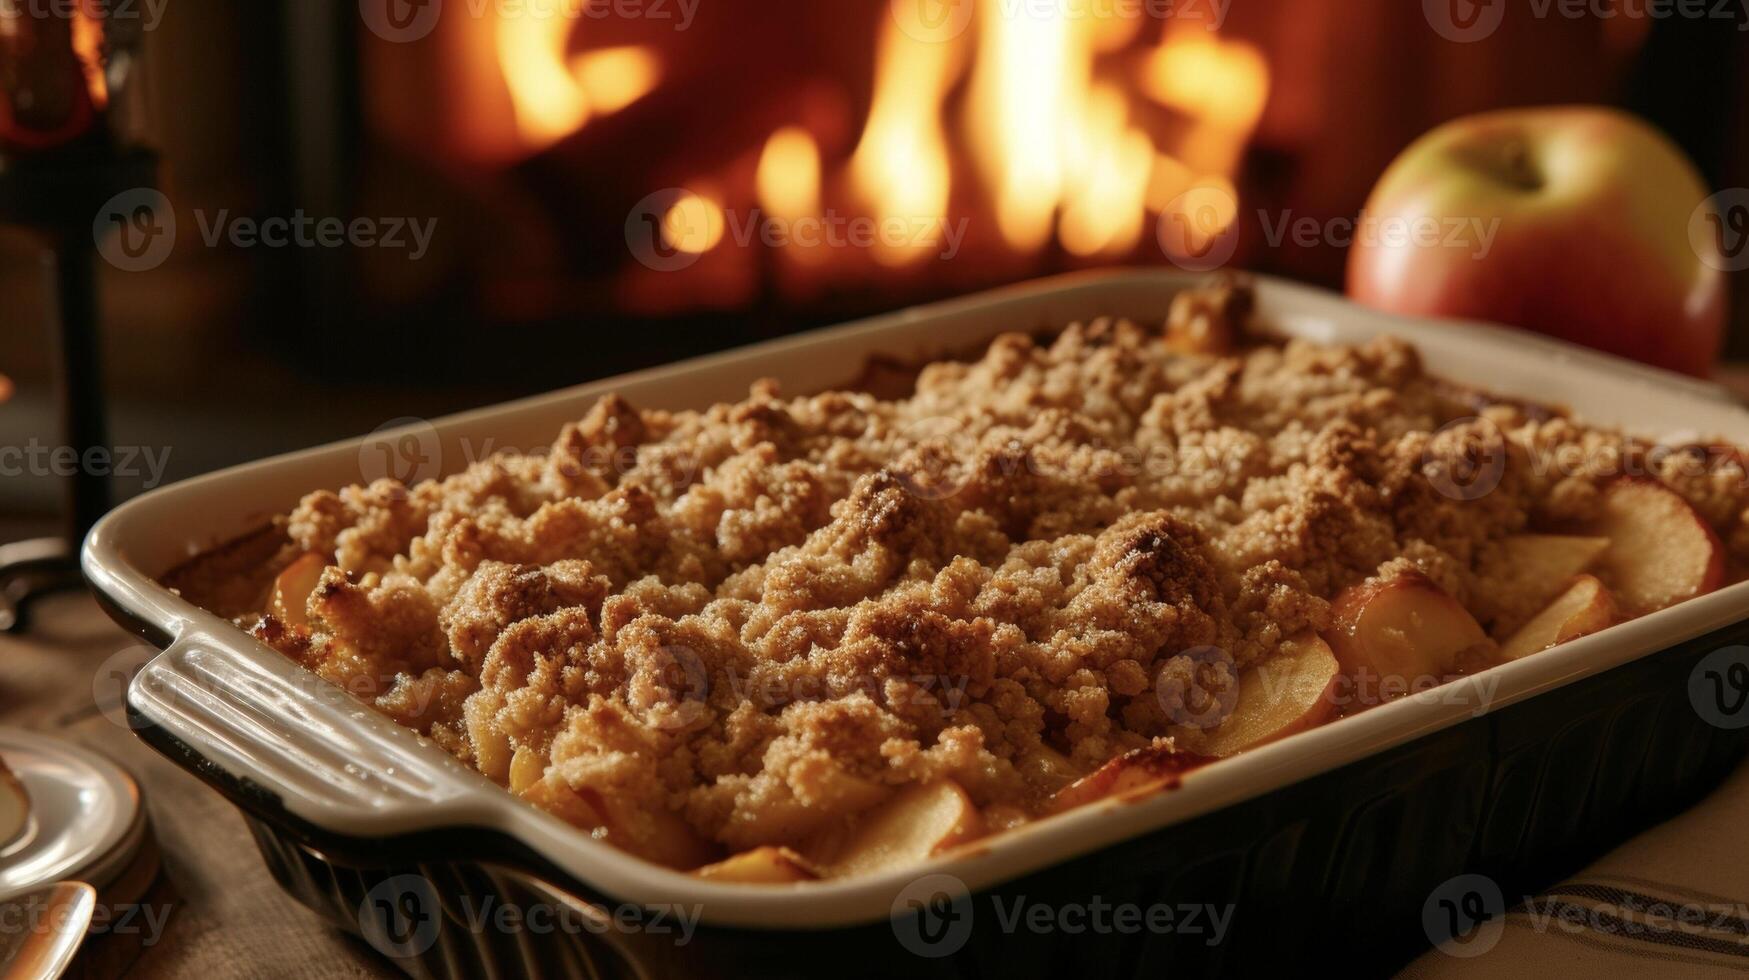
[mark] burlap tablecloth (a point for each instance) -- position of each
(1672, 903)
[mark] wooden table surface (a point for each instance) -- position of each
(226, 917)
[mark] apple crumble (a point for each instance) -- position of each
(797, 635)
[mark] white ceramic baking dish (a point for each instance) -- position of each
(314, 765)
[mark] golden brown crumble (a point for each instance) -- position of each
(758, 620)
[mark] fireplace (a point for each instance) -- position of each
(734, 170)
(610, 184)
(787, 163)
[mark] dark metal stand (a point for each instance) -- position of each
(60, 202)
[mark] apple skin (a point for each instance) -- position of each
(1592, 244)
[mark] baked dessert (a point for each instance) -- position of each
(805, 636)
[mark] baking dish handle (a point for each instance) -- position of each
(284, 742)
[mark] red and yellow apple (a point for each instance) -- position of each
(1569, 221)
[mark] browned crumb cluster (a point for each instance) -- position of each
(741, 626)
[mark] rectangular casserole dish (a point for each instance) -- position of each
(1333, 839)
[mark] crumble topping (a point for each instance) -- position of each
(690, 631)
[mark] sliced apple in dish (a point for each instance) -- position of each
(1133, 772)
(1557, 557)
(1399, 635)
(290, 598)
(1539, 567)
(1661, 552)
(1290, 692)
(1585, 608)
(761, 866)
(653, 834)
(918, 822)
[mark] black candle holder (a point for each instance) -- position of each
(58, 199)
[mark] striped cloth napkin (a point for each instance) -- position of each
(1672, 903)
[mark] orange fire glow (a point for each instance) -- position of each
(789, 174)
(1032, 73)
(1055, 147)
(694, 223)
(554, 94)
(88, 44)
(1223, 85)
(901, 167)
(1072, 126)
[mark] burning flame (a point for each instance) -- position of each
(553, 94)
(693, 223)
(901, 167)
(616, 77)
(1071, 133)
(1221, 84)
(1108, 163)
(1192, 220)
(1032, 72)
(788, 178)
(1059, 149)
